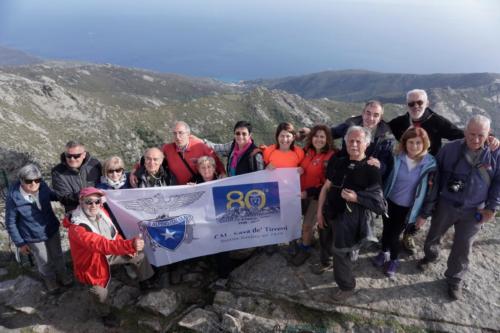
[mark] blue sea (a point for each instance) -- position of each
(236, 40)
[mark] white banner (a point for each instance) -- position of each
(182, 222)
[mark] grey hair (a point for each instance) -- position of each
(154, 149)
(368, 134)
(29, 171)
(420, 92)
(73, 144)
(183, 123)
(205, 159)
(479, 119)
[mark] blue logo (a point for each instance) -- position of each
(246, 203)
(166, 232)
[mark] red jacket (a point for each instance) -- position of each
(89, 250)
(194, 150)
(314, 175)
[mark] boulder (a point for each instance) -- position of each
(201, 320)
(164, 302)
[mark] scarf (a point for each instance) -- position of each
(236, 155)
(114, 184)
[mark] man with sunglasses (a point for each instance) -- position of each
(34, 228)
(77, 170)
(96, 245)
(420, 115)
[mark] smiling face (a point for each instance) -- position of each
(31, 186)
(414, 147)
(74, 156)
(319, 140)
(91, 205)
(206, 170)
(242, 136)
(285, 140)
(356, 145)
(417, 103)
(153, 159)
(372, 115)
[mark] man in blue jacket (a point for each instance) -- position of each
(34, 228)
(469, 188)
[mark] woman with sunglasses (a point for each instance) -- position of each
(115, 177)
(33, 226)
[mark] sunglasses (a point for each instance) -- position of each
(73, 156)
(90, 202)
(31, 181)
(241, 133)
(120, 170)
(412, 104)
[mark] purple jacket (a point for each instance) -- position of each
(454, 167)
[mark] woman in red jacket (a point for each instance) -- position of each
(319, 149)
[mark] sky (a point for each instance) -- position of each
(236, 40)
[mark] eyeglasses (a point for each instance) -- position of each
(31, 181)
(73, 156)
(178, 133)
(120, 170)
(241, 133)
(92, 202)
(412, 103)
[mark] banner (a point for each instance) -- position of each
(182, 222)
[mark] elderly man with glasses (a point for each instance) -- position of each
(34, 228)
(77, 170)
(96, 245)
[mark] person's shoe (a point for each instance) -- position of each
(391, 267)
(51, 286)
(455, 292)
(111, 320)
(409, 244)
(381, 259)
(65, 280)
(424, 264)
(301, 257)
(341, 295)
(321, 267)
(293, 248)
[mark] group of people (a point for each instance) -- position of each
(399, 170)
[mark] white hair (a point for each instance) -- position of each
(479, 119)
(368, 134)
(420, 92)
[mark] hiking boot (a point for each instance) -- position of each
(301, 257)
(455, 292)
(111, 320)
(341, 295)
(424, 264)
(321, 267)
(381, 259)
(65, 279)
(391, 267)
(409, 244)
(51, 286)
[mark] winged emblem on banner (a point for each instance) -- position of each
(162, 203)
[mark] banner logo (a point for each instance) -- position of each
(168, 232)
(246, 203)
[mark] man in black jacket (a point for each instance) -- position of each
(77, 170)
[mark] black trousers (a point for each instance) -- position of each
(393, 227)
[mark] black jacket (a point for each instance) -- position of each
(247, 163)
(381, 147)
(436, 126)
(67, 182)
(165, 177)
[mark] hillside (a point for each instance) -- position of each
(12, 57)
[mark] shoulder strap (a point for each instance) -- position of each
(186, 164)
